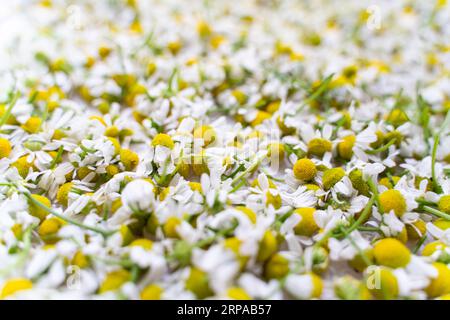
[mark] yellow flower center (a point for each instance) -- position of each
(129, 159)
(36, 210)
(392, 253)
(207, 133)
(331, 177)
(444, 204)
(317, 286)
(307, 225)
(112, 131)
(441, 284)
(144, 243)
(114, 280)
(170, 227)
(162, 139)
(49, 227)
(5, 148)
(151, 292)
(393, 200)
(318, 147)
(267, 246)
(32, 125)
(387, 287)
(237, 293)
(15, 285)
(432, 247)
(397, 117)
(356, 177)
(23, 166)
(274, 200)
(276, 267)
(345, 147)
(261, 116)
(248, 212)
(198, 283)
(304, 169)
(62, 196)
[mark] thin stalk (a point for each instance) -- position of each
(104, 233)
(382, 148)
(436, 212)
(7, 113)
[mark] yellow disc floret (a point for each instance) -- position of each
(397, 117)
(432, 247)
(317, 286)
(267, 246)
(15, 285)
(307, 225)
(5, 148)
(345, 147)
(276, 267)
(32, 125)
(129, 159)
(260, 117)
(207, 133)
(304, 169)
(385, 284)
(151, 292)
(198, 283)
(331, 177)
(444, 204)
(23, 166)
(114, 280)
(170, 227)
(35, 209)
(237, 293)
(143, 243)
(248, 212)
(49, 227)
(392, 253)
(393, 200)
(318, 147)
(441, 284)
(162, 139)
(62, 196)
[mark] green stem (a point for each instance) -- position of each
(249, 169)
(436, 186)
(57, 158)
(419, 244)
(369, 229)
(323, 86)
(374, 190)
(366, 212)
(7, 113)
(436, 212)
(382, 148)
(105, 233)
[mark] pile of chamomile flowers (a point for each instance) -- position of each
(259, 149)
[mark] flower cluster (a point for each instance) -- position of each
(225, 150)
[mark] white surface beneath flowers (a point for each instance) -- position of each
(150, 149)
